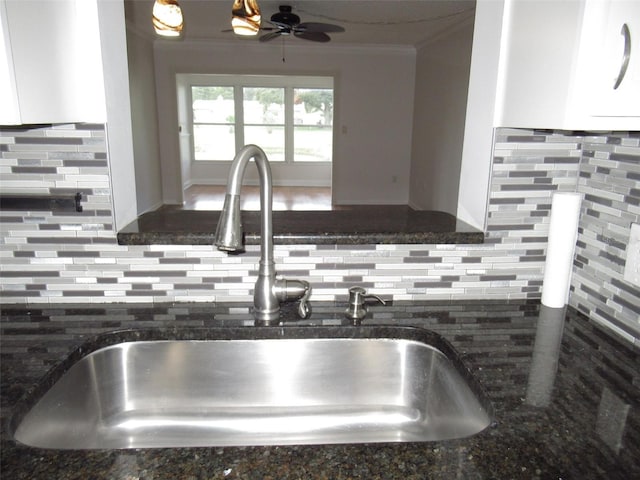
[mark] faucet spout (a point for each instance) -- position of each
(229, 231)
(268, 291)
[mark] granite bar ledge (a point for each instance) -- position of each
(354, 225)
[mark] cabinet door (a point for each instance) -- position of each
(52, 60)
(9, 108)
(617, 75)
(539, 42)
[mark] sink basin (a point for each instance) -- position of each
(256, 386)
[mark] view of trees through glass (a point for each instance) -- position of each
(290, 124)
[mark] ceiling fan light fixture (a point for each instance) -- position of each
(288, 23)
(245, 17)
(167, 18)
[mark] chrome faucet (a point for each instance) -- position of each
(269, 290)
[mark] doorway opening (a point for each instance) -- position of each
(211, 197)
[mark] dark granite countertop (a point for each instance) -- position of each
(566, 395)
(371, 224)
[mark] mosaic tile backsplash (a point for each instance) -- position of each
(69, 257)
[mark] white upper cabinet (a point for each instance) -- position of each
(572, 65)
(50, 62)
(616, 83)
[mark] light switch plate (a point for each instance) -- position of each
(632, 265)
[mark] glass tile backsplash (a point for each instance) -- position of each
(54, 257)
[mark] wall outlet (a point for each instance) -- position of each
(632, 265)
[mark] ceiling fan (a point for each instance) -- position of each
(288, 23)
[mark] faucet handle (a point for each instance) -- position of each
(304, 307)
(287, 290)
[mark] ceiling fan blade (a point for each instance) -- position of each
(269, 36)
(318, 27)
(313, 36)
(280, 25)
(262, 29)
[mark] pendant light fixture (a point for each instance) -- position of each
(167, 18)
(245, 17)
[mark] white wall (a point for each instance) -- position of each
(374, 90)
(475, 170)
(144, 122)
(119, 131)
(442, 80)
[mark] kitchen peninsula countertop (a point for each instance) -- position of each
(351, 225)
(575, 414)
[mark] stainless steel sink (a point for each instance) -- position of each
(287, 385)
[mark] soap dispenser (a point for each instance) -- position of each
(357, 309)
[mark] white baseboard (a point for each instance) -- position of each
(156, 206)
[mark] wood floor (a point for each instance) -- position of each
(210, 197)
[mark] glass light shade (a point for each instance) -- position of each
(245, 17)
(167, 18)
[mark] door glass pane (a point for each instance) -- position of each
(313, 106)
(313, 120)
(269, 138)
(263, 106)
(213, 123)
(313, 144)
(214, 142)
(212, 104)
